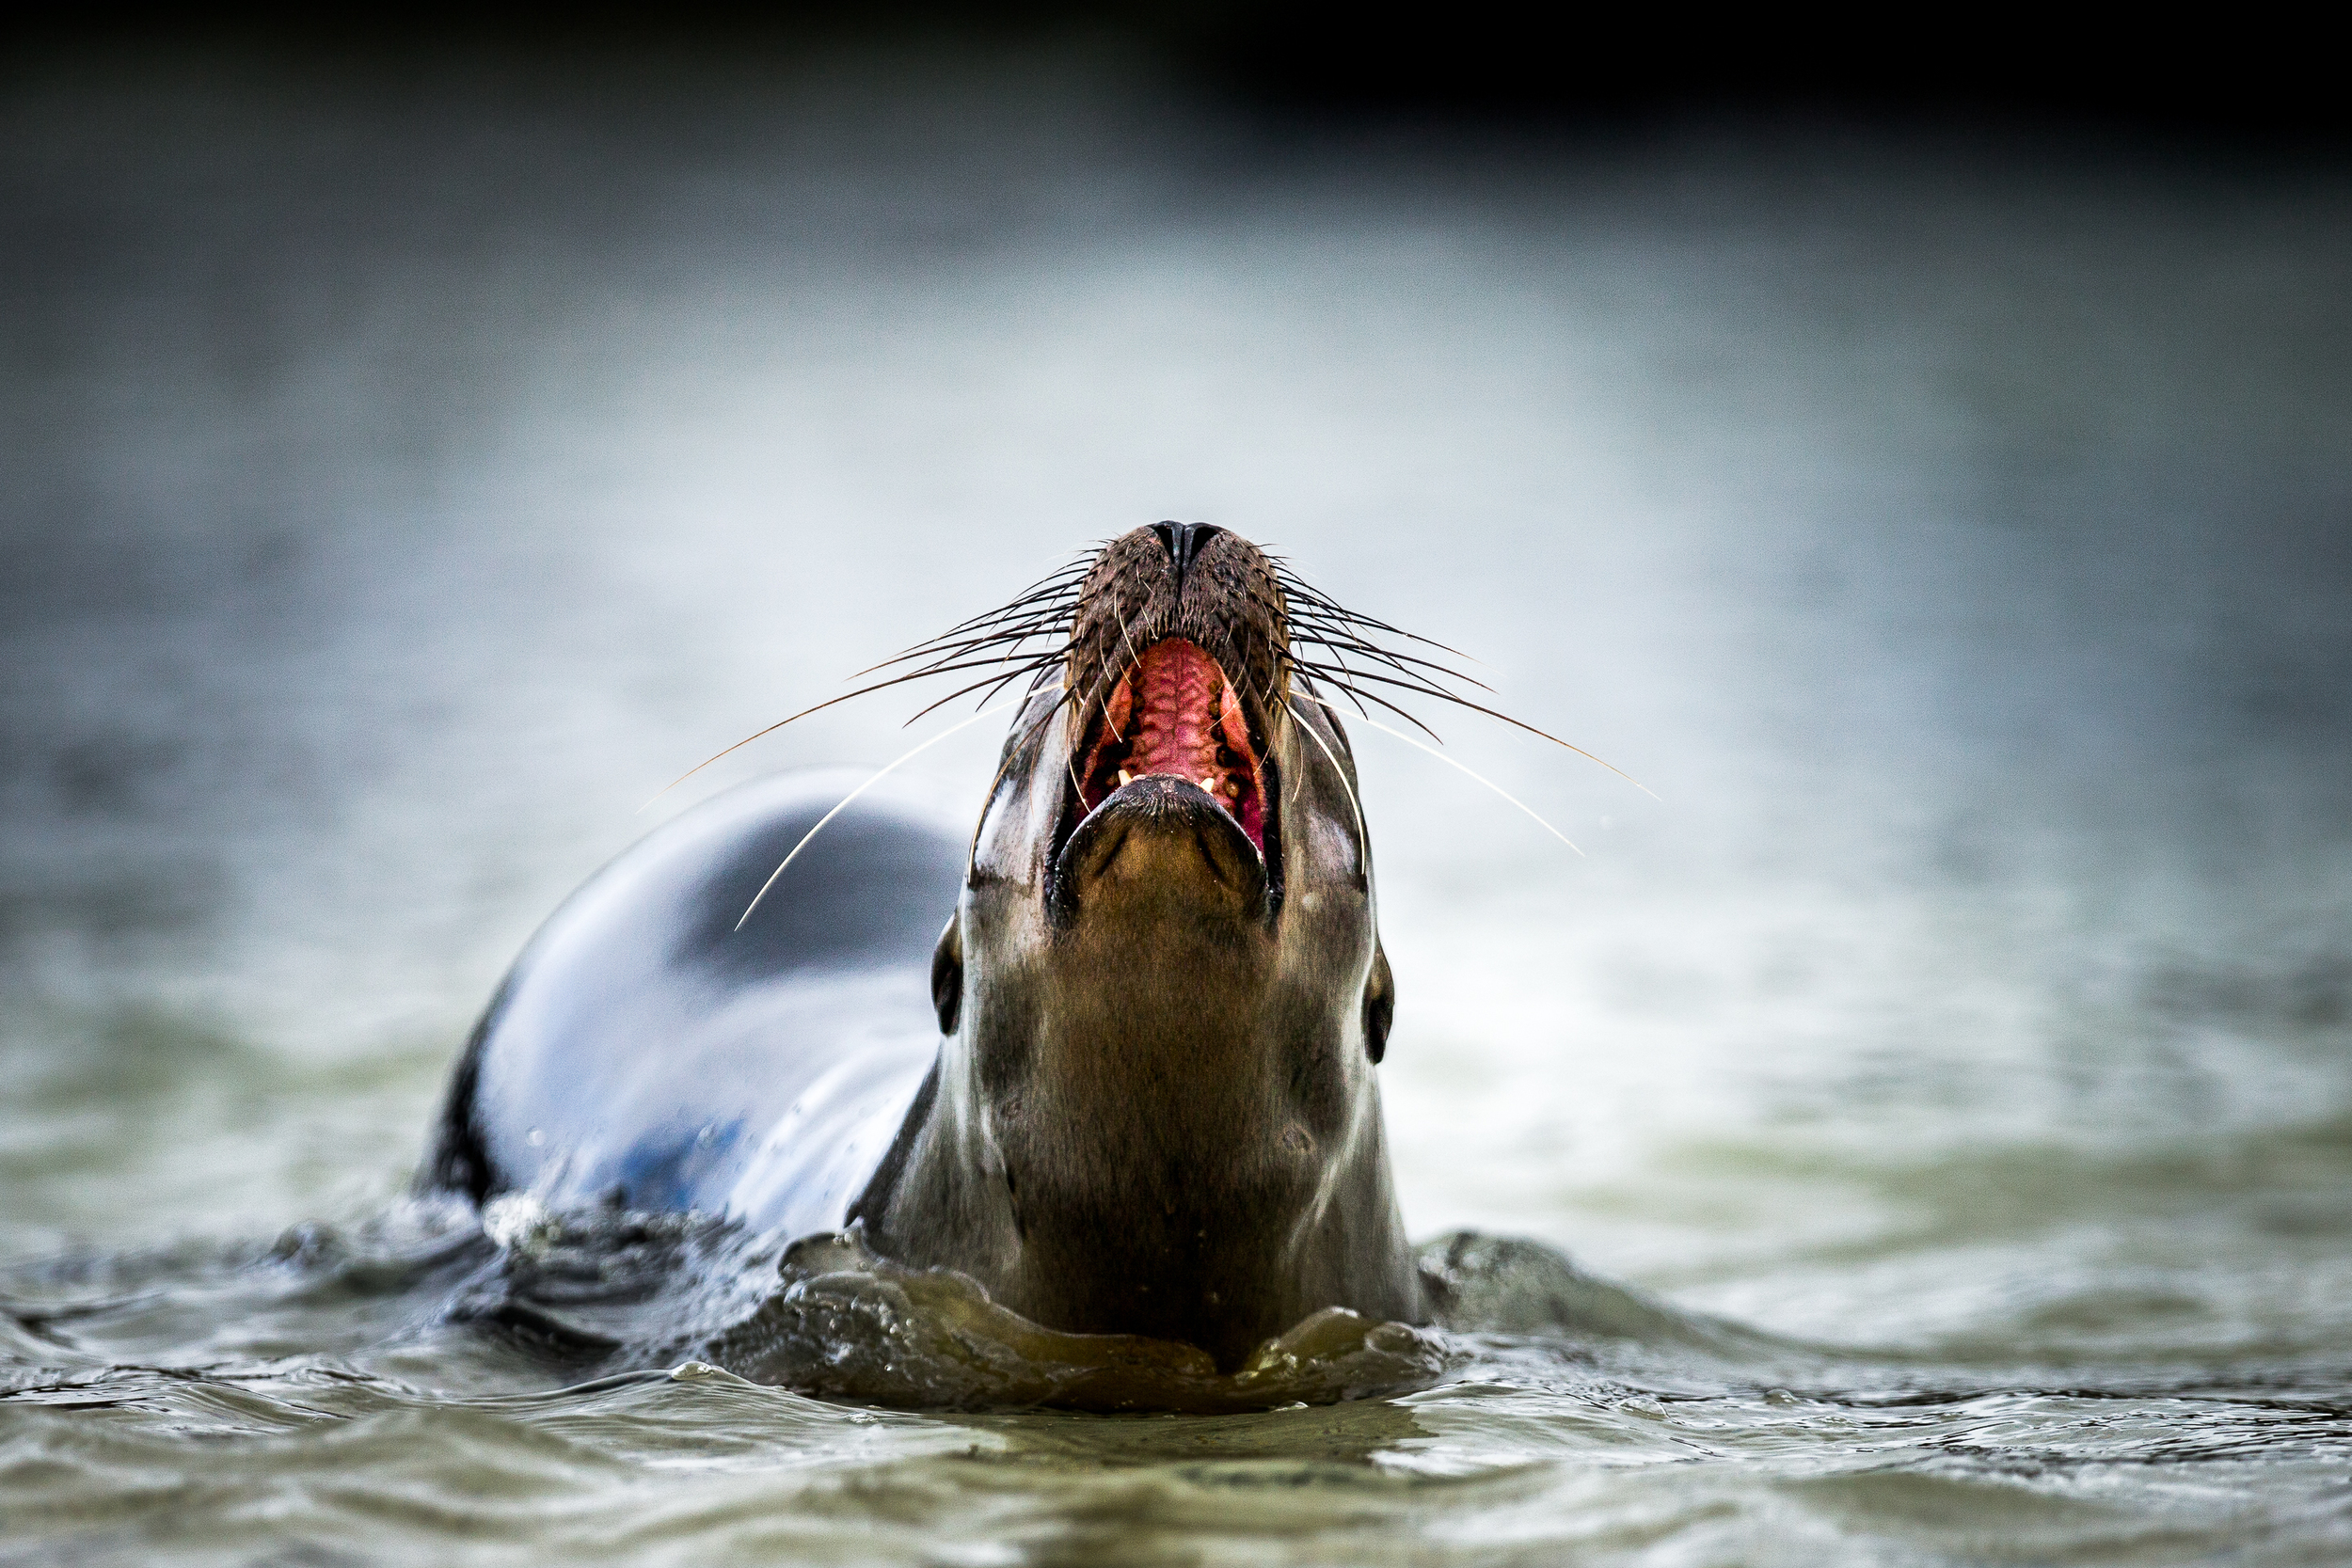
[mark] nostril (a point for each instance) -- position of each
(1184, 541)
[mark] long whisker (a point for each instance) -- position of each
(1342, 680)
(960, 723)
(1046, 662)
(1035, 611)
(1012, 750)
(1105, 684)
(1325, 617)
(1479, 777)
(1317, 634)
(1135, 659)
(1033, 670)
(1303, 672)
(820, 708)
(1343, 677)
(1027, 615)
(1003, 636)
(1516, 723)
(1037, 594)
(1363, 834)
(1292, 587)
(1047, 625)
(1042, 623)
(739, 745)
(1063, 580)
(1411, 682)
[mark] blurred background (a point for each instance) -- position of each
(1933, 484)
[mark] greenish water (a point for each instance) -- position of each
(1945, 1087)
(306, 1399)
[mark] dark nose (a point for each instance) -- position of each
(1184, 541)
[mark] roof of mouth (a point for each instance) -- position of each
(1174, 713)
(1178, 700)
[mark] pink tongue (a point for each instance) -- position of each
(1178, 696)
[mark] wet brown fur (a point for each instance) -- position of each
(1156, 1110)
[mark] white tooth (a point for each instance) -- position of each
(1122, 777)
(1208, 783)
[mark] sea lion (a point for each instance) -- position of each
(1151, 1104)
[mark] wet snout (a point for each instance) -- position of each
(1158, 842)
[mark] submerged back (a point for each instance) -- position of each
(644, 1051)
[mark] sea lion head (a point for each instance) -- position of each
(1163, 989)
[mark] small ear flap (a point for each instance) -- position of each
(948, 976)
(1379, 1005)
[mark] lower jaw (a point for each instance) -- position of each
(1188, 881)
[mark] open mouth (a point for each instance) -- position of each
(1175, 714)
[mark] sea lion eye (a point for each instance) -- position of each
(948, 976)
(1379, 1006)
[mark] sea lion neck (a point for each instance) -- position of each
(1140, 1131)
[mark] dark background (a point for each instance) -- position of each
(2201, 84)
